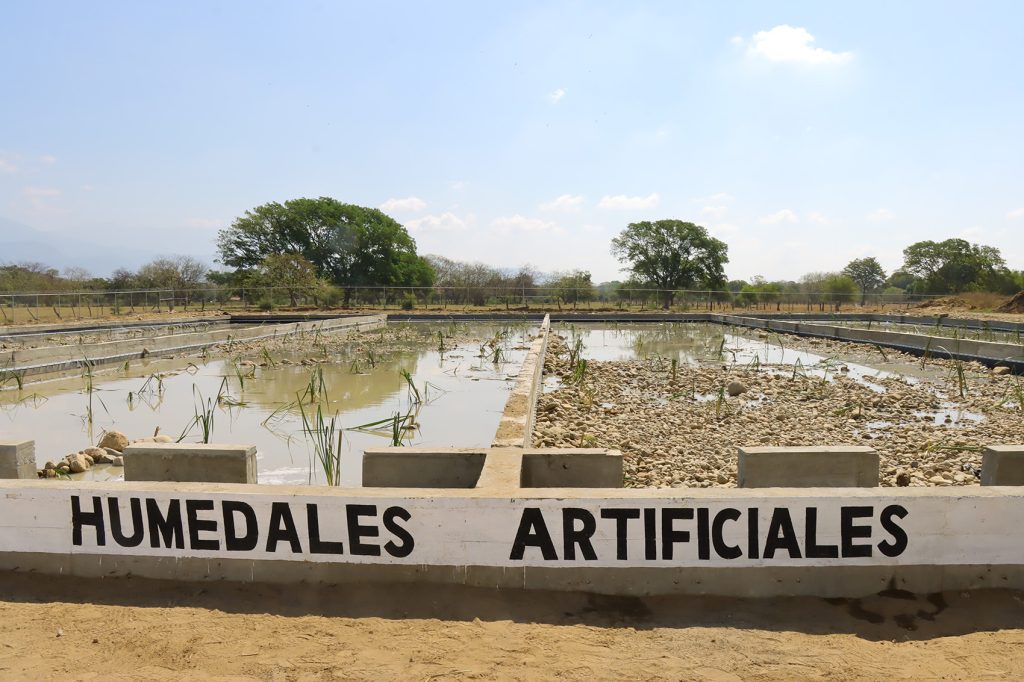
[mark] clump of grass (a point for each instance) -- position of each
(414, 393)
(204, 411)
(720, 403)
(675, 367)
(393, 427)
(9, 375)
(798, 366)
(268, 359)
(326, 437)
(961, 376)
(316, 388)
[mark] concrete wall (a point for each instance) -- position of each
(987, 352)
(190, 462)
(516, 426)
(858, 541)
(17, 459)
(571, 468)
(1003, 465)
(844, 466)
(56, 358)
(422, 467)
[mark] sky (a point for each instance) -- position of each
(803, 134)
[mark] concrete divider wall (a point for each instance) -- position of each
(777, 541)
(516, 426)
(50, 359)
(988, 352)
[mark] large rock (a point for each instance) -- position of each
(999, 371)
(115, 440)
(734, 388)
(78, 463)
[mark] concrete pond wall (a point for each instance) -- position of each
(57, 358)
(524, 518)
(806, 521)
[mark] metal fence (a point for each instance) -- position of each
(18, 308)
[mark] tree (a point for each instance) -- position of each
(867, 273)
(347, 244)
(672, 254)
(291, 272)
(953, 265)
(178, 272)
(838, 288)
(572, 287)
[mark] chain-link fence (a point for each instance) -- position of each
(25, 308)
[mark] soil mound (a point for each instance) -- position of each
(1014, 305)
(945, 302)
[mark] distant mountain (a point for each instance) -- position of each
(20, 243)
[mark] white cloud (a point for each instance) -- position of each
(523, 224)
(714, 212)
(1015, 214)
(793, 44)
(7, 166)
(817, 218)
(736, 40)
(566, 202)
(205, 223)
(625, 202)
(406, 205)
(783, 216)
(972, 232)
(557, 95)
(444, 222)
(48, 159)
(38, 196)
(882, 215)
(723, 229)
(457, 185)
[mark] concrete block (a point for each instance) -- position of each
(572, 468)
(422, 468)
(190, 462)
(808, 467)
(17, 459)
(1003, 465)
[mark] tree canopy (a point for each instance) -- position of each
(348, 245)
(867, 273)
(672, 254)
(953, 265)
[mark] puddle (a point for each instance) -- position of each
(949, 415)
(707, 344)
(462, 398)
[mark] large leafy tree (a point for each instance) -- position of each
(347, 244)
(867, 273)
(671, 254)
(953, 265)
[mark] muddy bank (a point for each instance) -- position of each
(679, 424)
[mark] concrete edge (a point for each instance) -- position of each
(257, 333)
(517, 420)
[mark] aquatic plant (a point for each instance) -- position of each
(326, 438)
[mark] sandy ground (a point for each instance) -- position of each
(132, 629)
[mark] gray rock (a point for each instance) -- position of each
(734, 388)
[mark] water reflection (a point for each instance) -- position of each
(462, 400)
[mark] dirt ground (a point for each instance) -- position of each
(134, 629)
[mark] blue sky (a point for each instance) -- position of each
(802, 134)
